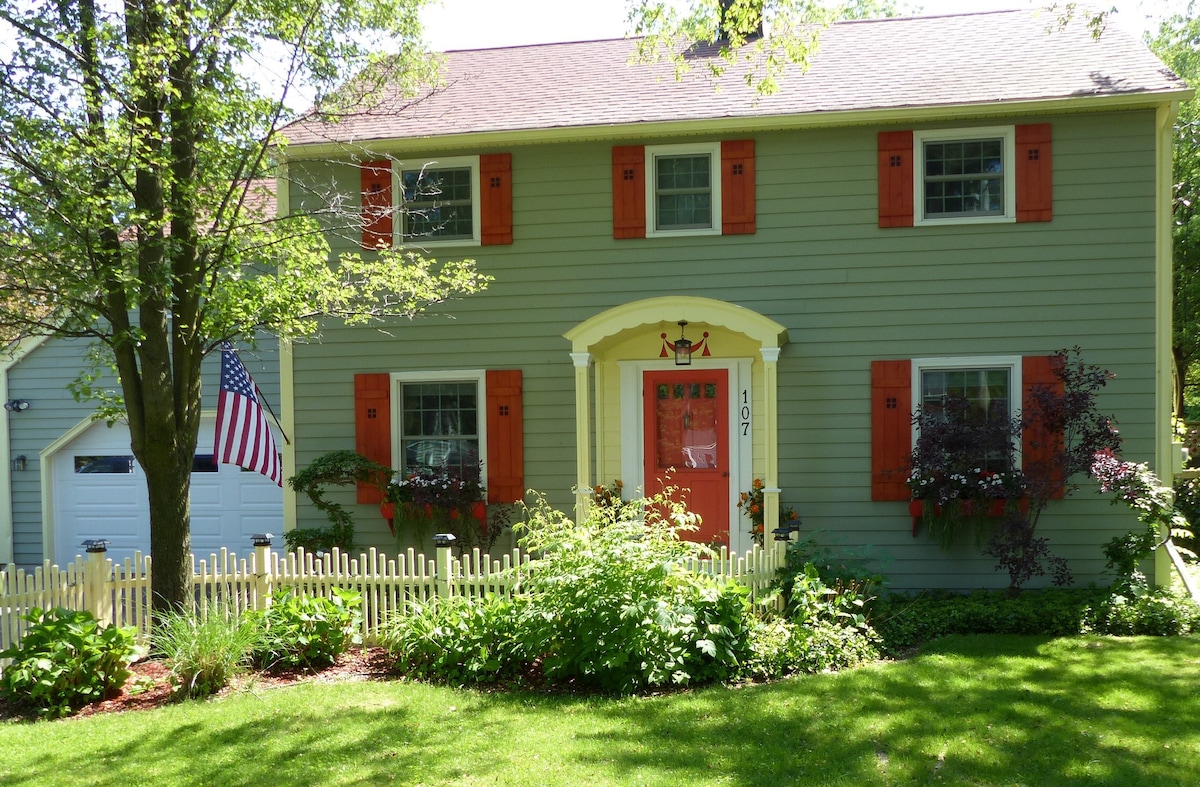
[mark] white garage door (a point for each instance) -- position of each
(100, 492)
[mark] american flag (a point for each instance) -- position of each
(243, 435)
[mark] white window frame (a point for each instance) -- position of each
(477, 376)
(1010, 362)
(1008, 138)
(449, 162)
(653, 152)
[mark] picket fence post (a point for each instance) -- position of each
(97, 592)
(262, 570)
(444, 570)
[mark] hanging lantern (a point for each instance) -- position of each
(683, 347)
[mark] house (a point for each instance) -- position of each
(69, 478)
(938, 198)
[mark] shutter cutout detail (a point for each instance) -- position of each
(373, 427)
(1034, 173)
(1038, 447)
(376, 204)
(629, 191)
(891, 428)
(505, 437)
(495, 196)
(737, 187)
(895, 178)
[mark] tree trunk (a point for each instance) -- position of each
(169, 486)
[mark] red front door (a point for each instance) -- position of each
(687, 429)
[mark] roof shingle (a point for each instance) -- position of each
(935, 61)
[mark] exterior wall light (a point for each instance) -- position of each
(16, 405)
(261, 539)
(683, 347)
(18, 463)
(96, 545)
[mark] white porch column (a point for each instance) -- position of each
(771, 490)
(583, 434)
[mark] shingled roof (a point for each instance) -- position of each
(961, 61)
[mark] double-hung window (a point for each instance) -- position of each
(980, 390)
(965, 175)
(440, 423)
(683, 189)
(440, 202)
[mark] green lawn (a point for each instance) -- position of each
(985, 710)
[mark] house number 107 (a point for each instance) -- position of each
(745, 412)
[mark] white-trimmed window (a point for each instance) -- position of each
(991, 387)
(964, 175)
(439, 202)
(441, 418)
(683, 189)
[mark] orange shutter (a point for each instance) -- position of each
(495, 197)
(376, 204)
(891, 428)
(629, 191)
(505, 437)
(1039, 446)
(1034, 173)
(895, 179)
(737, 187)
(372, 426)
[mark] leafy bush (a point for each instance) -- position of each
(65, 661)
(781, 647)
(204, 655)
(612, 605)
(459, 641)
(308, 631)
(1138, 610)
(905, 621)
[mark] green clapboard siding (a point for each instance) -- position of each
(848, 292)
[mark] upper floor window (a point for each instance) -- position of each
(966, 175)
(683, 188)
(440, 201)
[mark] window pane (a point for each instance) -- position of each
(683, 192)
(437, 203)
(439, 426)
(982, 398)
(118, 465)
(964, 178)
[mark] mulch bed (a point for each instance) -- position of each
(149, 686)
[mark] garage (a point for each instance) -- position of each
(99, 491)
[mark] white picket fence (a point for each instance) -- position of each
(226, 584)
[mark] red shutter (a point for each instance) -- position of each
(629, 191)
(505, 437)
(495, 197)
(891, 428)
(1034, 172)
(372, 426)
(737, 187)
(1040, 445)
(895, 179)
(376, 204)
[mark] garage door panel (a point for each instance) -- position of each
(228, 506)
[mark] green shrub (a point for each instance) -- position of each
(308, 631)
(459, 641)
(612, 606)
(1138, 610)
(780, 647)
(65, 661)
(204, 655)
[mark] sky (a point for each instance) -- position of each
(478, 24)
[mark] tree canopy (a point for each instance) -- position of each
(1178, 44)
(135, 137)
